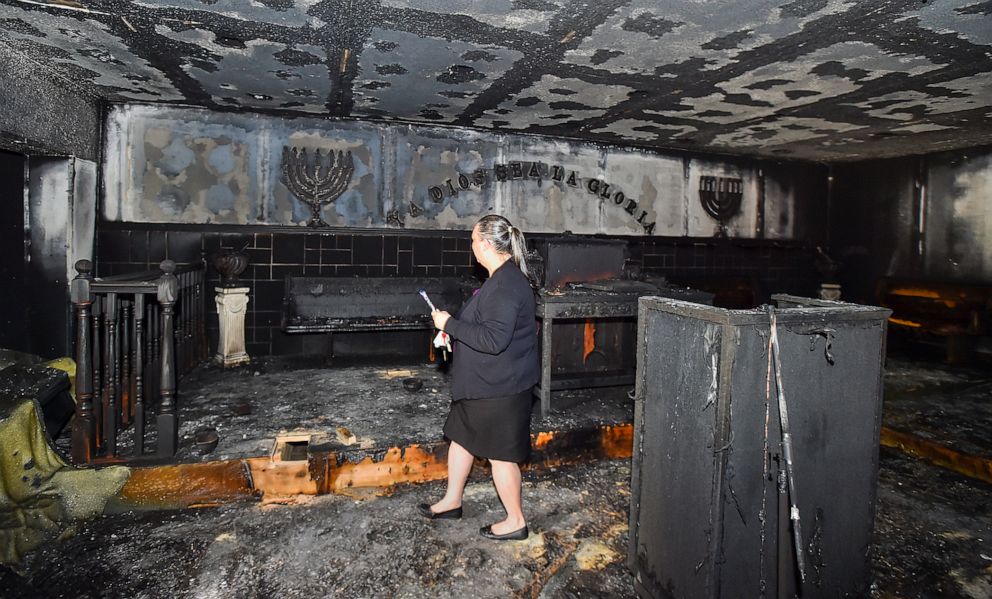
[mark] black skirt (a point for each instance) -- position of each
(496, 428)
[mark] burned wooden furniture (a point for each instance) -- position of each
(718, 498)
(587, 305)
(605, 313)
(349, 304)
(958, 314)
(135, 333)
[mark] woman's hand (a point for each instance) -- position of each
(440, 318)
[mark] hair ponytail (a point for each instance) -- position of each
(519, 247)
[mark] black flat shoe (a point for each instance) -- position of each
(517, 535)
(427, 512)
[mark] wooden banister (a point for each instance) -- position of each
(136, 334)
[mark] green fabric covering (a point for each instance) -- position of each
(41, 496)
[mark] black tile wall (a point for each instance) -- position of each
(183, 247)
(139, 247)
(156, 246)
(367, 250)
(389, 250)
(773, 266)
(287, 249)
(427, 251)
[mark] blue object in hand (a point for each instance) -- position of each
(423, 294)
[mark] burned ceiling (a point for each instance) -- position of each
(803, 79)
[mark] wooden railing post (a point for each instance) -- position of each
(139, 373)
(127, 390)
(178, 322)
(97, 365)
(168, 423)
(188, 358)
(111, 377)
(83, 427)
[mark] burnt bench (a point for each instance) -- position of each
(343, 304)
(958, 313)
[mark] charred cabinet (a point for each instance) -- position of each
(710, 504)
(590, 306)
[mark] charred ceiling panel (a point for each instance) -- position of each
(175, 165)
(821, 80)
(90, 52)
(444, 79)
(40, 115)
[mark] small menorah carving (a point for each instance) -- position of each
(316, 180)
(721, 196)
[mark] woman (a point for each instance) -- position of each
(494, 371)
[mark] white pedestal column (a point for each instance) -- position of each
(232, 303)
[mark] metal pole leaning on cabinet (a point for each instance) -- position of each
(783, 416)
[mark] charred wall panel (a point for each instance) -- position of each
(49, 192)
(924, 217)
(13, 306)
(958, 225)
(60, 218)
(173, 165)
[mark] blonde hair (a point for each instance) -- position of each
(505, 238)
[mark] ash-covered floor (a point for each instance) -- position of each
(335, 546)
(933, 527)
(358, 406)
(949, 405)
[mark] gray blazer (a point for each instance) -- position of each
(495, 335)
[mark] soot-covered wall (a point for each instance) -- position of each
(172, 165)
(183, 183)
(14, 330)
(61, 220)
(926, 217)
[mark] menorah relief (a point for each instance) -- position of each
(721, 196)
(317, 180)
